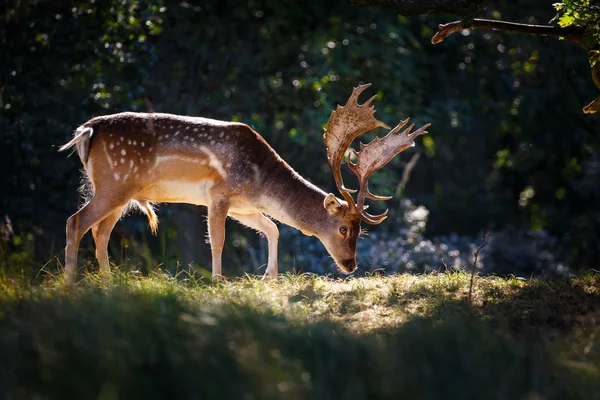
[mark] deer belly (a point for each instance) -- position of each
(191, 192)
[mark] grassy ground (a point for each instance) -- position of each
(301, 337)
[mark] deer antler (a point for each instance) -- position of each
(346, 124)
(376, 155)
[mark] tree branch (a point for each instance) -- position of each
(408, 169)
(468, 9)
(593, 107)
(464, 8)
(574, 34)
(474, 265)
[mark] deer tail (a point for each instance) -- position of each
(148, 208)
(81, 141)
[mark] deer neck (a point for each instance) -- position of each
(291, 199)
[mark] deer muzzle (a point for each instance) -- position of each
(348, 266)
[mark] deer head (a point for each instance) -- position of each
(345, 124)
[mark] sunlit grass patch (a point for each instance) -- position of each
(301, 336)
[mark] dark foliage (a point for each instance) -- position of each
(509, 149)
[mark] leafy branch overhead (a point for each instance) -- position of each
(576, 20)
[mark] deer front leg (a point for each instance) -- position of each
(268, 227)
(101, 233)
(217, 215)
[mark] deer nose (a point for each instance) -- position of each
(349, 265)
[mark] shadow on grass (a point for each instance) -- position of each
(560, 305)
(548, 306)
(121, 343)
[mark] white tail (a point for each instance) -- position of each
(146, 158)
(81, 140)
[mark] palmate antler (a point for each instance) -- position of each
(346, 124)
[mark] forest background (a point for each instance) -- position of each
(509, 151)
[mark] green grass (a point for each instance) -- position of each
(301, 337)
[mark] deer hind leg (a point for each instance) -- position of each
(265, 225)
(217, 215)
(101, 233)
(96, 210)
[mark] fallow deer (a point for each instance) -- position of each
(145, 158)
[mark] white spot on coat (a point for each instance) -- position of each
(214, 162)
(110, 162)
(123, 152)
(256, 171)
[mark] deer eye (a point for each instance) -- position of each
(343, 230)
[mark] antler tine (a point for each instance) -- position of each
(356, 92)
(376, 155)
(345, 124)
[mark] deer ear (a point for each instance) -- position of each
(331, 204)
